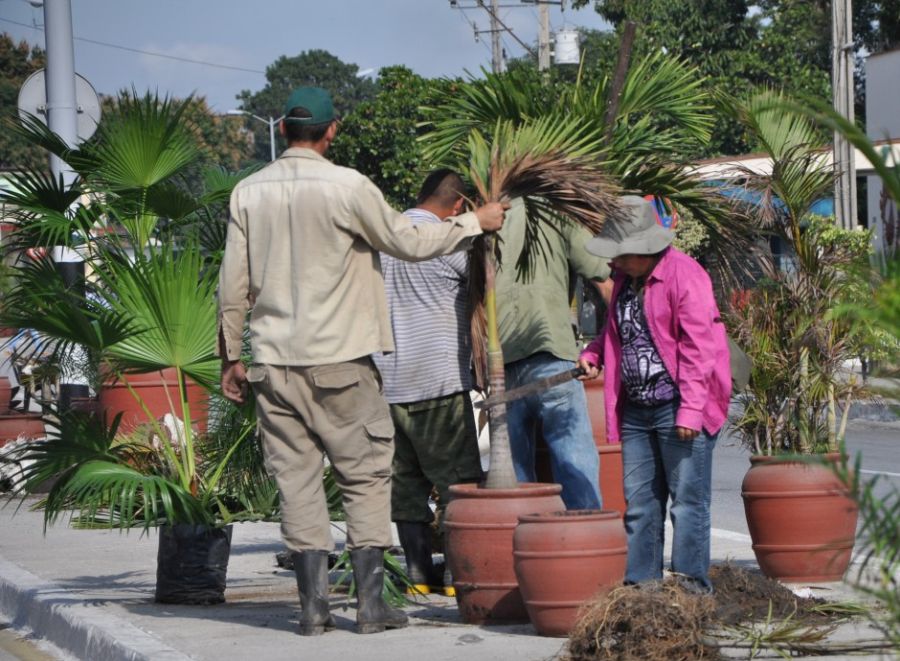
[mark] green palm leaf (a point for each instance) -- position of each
(62, 317)
(146, 143)
(169, 302)
(117, 495)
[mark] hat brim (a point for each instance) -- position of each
(647, 242)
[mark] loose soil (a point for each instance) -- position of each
(666, 622)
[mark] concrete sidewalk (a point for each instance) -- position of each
(90, 594)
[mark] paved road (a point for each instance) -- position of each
(13, 647)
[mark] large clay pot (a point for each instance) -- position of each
(158, 391)
(5, 394)
(801, 517)
(15, 426)
(562, 559)
(479, 525)
(593, 391)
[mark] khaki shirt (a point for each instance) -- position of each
(302, 255)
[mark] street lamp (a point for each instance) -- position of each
(272, 121)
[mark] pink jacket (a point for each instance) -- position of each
(684, 321)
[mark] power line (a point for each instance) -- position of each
(490, 11)
(474, 27)
(144, 52)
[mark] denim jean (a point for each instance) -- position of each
(659, 467)
(561, 415)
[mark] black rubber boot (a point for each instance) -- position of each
(311, 569)
(373, 615)
(415, 538)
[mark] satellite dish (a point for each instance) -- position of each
(33, 100)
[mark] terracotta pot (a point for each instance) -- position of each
(593, 390)
(802, 520)
(564, 558)
(611, 482)
(15, 425)
(5, 394)
(152, 388)
(479, 525)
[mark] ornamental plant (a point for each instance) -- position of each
(799, 394)
(151, 249)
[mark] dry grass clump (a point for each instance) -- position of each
(742, 596)
(662, 621)
(634, 623)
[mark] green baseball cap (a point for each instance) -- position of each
(315, 100)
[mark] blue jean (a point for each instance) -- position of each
(561, 415)
(659, 467)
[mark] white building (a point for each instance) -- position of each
(883, 126)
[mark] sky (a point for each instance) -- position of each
(429, 36)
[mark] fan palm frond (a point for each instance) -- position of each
(61, 316)
(147, 142)
(35, 131)
(170, 303)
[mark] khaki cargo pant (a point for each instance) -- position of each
(306, 413)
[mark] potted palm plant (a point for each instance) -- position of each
(800, 512)
(637, 149)
(147, 305)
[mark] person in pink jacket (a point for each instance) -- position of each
(665, 359)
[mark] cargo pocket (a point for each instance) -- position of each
(256, 377)
(380, 433)
(338, 392)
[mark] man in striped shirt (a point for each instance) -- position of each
(427, 381)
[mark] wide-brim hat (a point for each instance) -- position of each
(633, 231)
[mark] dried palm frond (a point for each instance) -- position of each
(551, 162)
(552, 165)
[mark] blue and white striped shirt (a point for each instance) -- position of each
(427, 309)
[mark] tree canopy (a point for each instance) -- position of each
(17, 62)
(317, 68)
(742, 44)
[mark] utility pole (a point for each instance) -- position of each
(62, 115)
(543, 36)
(496, 49)
(62, 119)
(842, 93)
(498, 26)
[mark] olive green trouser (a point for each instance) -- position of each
(306, 413)
(436, 444)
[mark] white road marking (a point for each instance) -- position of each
(868, 472)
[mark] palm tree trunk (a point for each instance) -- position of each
(501, 474)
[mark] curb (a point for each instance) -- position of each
(71, 624)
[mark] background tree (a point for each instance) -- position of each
(378, 137)
(712, 35)
(17, 62)
(784, 44)
(314, 67)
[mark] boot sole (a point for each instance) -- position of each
(378, 627)
(316, 629)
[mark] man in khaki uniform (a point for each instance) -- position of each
(302, 257)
